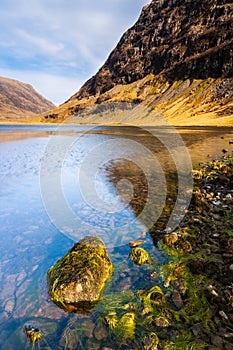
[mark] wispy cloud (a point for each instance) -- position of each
(64, 41)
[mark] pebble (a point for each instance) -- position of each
(223, 315)
(217, 203)
(177, 299)
(10, 305)
(211, 289)
(135, 243)
(228, 335)
(100, 331)
(217, 341)
(197, 329)
(153, 274)
(171, 238)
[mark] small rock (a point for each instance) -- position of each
(33, 333)
(135, 243)
(171, 238)
(153, 274)
(87, 328)
(100, 331)
(216, 217)
(228, 335)
(217, 341)
(186, 246)
(223, 315)
(212, 291)
(143, 234)
(162, 322)
(177, 299)
(197, 329)
(140, 256)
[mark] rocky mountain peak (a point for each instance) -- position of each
(179, 38)
(20, 102)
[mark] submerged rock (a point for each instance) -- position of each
(140, 256)
(76, 281)
(33, 333)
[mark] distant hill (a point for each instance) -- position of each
(19, 102)
(177, 59)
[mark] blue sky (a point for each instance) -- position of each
(56, 45)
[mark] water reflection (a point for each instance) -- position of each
(30, 243)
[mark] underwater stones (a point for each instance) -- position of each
(177, 299)
(140, 256)
(151, 341)
(162, 322)
(100, 331)
(135, 243)
(151, 298)
(171, 238)
(76, 281)
(123, 326)
(186, 246)
(33, 333)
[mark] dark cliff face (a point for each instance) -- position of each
(181, 39)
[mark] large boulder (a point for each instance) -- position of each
(76, 281)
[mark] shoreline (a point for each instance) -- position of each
(190, 303)
(118, 125)
(201, 253)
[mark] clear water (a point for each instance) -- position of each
(59, 186)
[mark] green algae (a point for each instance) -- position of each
(140, 256)
(151, 298)
(33, 334)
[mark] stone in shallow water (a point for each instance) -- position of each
(140, 256)
(76, 281)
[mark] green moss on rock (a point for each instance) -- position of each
(140, 256)
(76, 281)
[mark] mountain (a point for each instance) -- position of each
(176, 60)
(19, 102)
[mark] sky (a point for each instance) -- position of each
(56, 45)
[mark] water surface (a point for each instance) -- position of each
(32, 238)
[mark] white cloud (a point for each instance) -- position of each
(64, 41)
(40, 45)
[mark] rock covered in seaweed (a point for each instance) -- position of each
(140, 256)
(76, 281)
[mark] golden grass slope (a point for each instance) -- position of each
(188, 102)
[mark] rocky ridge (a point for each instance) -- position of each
(19, 102)
(176, 59)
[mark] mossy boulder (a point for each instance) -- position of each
(76, 281)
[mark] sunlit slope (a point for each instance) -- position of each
(19, 102)
(184, 102)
